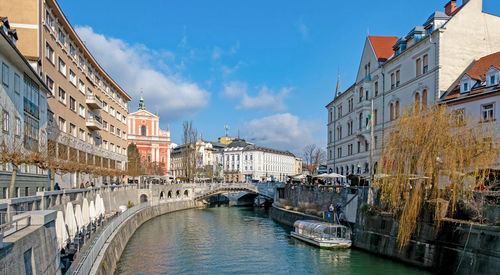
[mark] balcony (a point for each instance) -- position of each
(93, 102)
(94, 122)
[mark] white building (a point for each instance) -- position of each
(476, 93)
(395, 72)
(23, 114)
(244, 161)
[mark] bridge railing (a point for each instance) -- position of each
(51, 199)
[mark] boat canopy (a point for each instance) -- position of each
(322, 230)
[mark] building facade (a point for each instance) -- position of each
(208, 157)
(476, 93)
(23, 114)
(87, 109)
(153, 143)
(395, 72)
(244, 162)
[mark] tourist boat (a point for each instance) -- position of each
(322, 234)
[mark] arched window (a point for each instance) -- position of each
(424, 98)
(391, 111)
(143, 130)
(360, 121)
(397, 109)
(417, 100)
(360, 94)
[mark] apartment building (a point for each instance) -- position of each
(394, 72)
(23, 114)
(88, 109)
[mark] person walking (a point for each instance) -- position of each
(56, 187)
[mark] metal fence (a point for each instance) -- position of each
(85, 266)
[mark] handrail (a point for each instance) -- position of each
(13, 226)
(85, 266)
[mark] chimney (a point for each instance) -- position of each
(450, 7)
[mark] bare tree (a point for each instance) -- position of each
(189, 150)
(313, 156)
(134, 167)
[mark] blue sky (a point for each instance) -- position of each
(266, 68)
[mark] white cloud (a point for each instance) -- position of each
(234, 89)
(216, 53)
(266, 99)
(283, 131)
(136, 67)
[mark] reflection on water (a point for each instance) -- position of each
(233, 240)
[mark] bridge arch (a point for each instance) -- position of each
(169, 194)
(178, 193)
(227, 189)
(186, 193)
(162, 195)
(143, 198)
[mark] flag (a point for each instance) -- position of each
(369, 124)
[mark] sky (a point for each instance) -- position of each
(265, 68)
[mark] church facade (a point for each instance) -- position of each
(153, 143)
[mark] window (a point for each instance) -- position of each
(393, 79)
(105, 144)
(105, 125)
(376, 88)
(5, 74)
(360, 94)
(118, 132)
(62, 67)
(81, 134)
(351, 104)
(375, 115)
(487, 112)
(339, 152)
(105, 106)
(62, 124)
(50, 84)
(72, 129)
(112, 128)
(339, 111)
(398, 78)
(49, 20)
(492, 80)
(62, 96)
(49, 53)
(359, 146)
(339, 132)
(81, 62)
(17, 83)
(81, 110)
(81, 86)
(72, 104)
(466, 87)
(349, 149)
(72, 50)
(118, 116)
(360, 121)
(330, 136)
(18, 126)
(112, 111)
(425, 64)
(417, 100)
(459, 116)
(5, 121)
(418, 65)
(72, 77)
(61, 36)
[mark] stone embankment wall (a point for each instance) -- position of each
(33, 248)
(455, 249)
(288, 217)
(110, 254)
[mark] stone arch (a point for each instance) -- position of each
(178, 193)
(186, 193)
(143, 198)
(169, 194)
(162, 195)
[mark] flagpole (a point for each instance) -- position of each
(372, 122)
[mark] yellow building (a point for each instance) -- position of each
(88, 109)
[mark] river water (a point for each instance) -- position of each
(233, 240)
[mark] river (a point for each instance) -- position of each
(233, 240)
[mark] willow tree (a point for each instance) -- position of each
(433, 158)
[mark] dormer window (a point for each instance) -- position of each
(465, 84)
(492, 76)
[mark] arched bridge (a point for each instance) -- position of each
(205, 190)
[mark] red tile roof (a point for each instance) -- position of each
(479, 69)
(383, 46)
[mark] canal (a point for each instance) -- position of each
(233, 240)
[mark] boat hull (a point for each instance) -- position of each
(322, 243)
